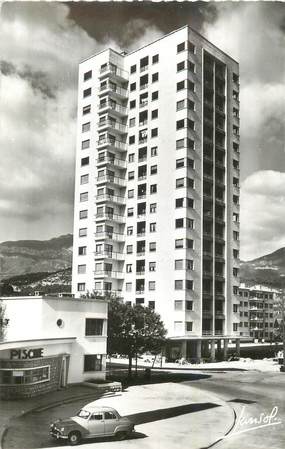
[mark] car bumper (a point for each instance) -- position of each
(58, 435)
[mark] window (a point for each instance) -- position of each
(180, 163)
(131, 157)
(154, 77)
(129, 249)
(178, 243)
(131, 175)
(189, 264)
(153, 188)
(86, 127)
(144, 63)
(180, 124)
(83, 197)
(152, 208)
(132, 122)
(131, 193)
(191, 47)
(180, 66)
(179, 202)
(190, 243)
(93, 326)
(180, 85)
(129, 268)
(84, 179)
(154, 132)
(81, 287)
(93, 362)
(191, 66)
(87, 92)
(132, 104)
(87, 75)
(82, 232)
(85, 144)
(133, 68)
(81, 269)
(151, 285)
(153, 169)
(179, 223)
(154, 95)
(132, 140)
(189, 284)
(178, 264)
(130, 230)
(84, 161)
(130, 212)
(152, 246)
(178, 305)
(154, 114)
(235, 272)
(153, 151)
(178, 284)
(128, 286)
(82, 250)
(189, 305)
(181, 47)
(83, 214)
(191, 86)
(189, 326)
(152, 266)
(235, 327)
(132, 87)
(235, 308)
(155, 59)
(86, 109)
(152, 227)
(151, 305)
(179, 183)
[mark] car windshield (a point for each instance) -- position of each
(83, 414)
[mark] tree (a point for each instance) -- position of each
(133, 330)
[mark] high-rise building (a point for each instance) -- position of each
(157, 186)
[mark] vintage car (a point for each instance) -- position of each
(91, 422)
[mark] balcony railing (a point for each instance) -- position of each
(114, 70)
(109, 255)
(112, 179)
(109, 274)
(120, 237)
(111, 198)
(113, 125)
(207, 332)
(115, 143)
(120, 91)
(112, 217)
(112, 160)
(114, 107)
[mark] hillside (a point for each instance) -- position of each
(33, 256)
(25, 284)
(267, 270)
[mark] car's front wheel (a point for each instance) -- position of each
(74, 438)
(121, 435)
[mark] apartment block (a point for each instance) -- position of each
(157, 186)
(257, 312)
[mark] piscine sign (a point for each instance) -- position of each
(24, 354)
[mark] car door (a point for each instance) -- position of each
(96, 424)
(111, 421)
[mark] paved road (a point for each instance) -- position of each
(250, 394)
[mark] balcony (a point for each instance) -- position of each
(113, 144)
(114, 161)
(207, 314)
(113, 90)
(110, 217)
(112, 236)
(220, 296)
(114, 72)
(143, 104)
(140, 292)
(108, 293)
(219, 333)
(207, 333)
(109, 274)
(110, 125)
(207, 196)
(220, 147)
(219, 315)
(109, 255)
(141, 253)
(116, 109)
(110, 198)
(111, 180)
(140, 273)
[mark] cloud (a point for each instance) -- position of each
(252, 33)
(262, 213)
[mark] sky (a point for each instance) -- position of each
(41, 44)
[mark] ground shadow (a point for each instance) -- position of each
(171, 412)
(242, 401)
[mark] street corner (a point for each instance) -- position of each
(171, 414)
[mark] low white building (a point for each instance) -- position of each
(49, 342)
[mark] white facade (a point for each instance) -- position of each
(157, 220)
(40, 329)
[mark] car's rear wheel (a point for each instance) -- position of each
(121, 435)
(74, 438)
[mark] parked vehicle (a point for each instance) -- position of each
(91, 422)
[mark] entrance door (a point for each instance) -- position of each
(64, 371)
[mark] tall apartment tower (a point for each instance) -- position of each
(157, 186)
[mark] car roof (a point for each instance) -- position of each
(98, 408)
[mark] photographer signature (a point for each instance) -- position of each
(249, 423)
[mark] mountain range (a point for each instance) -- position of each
(45, 265)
